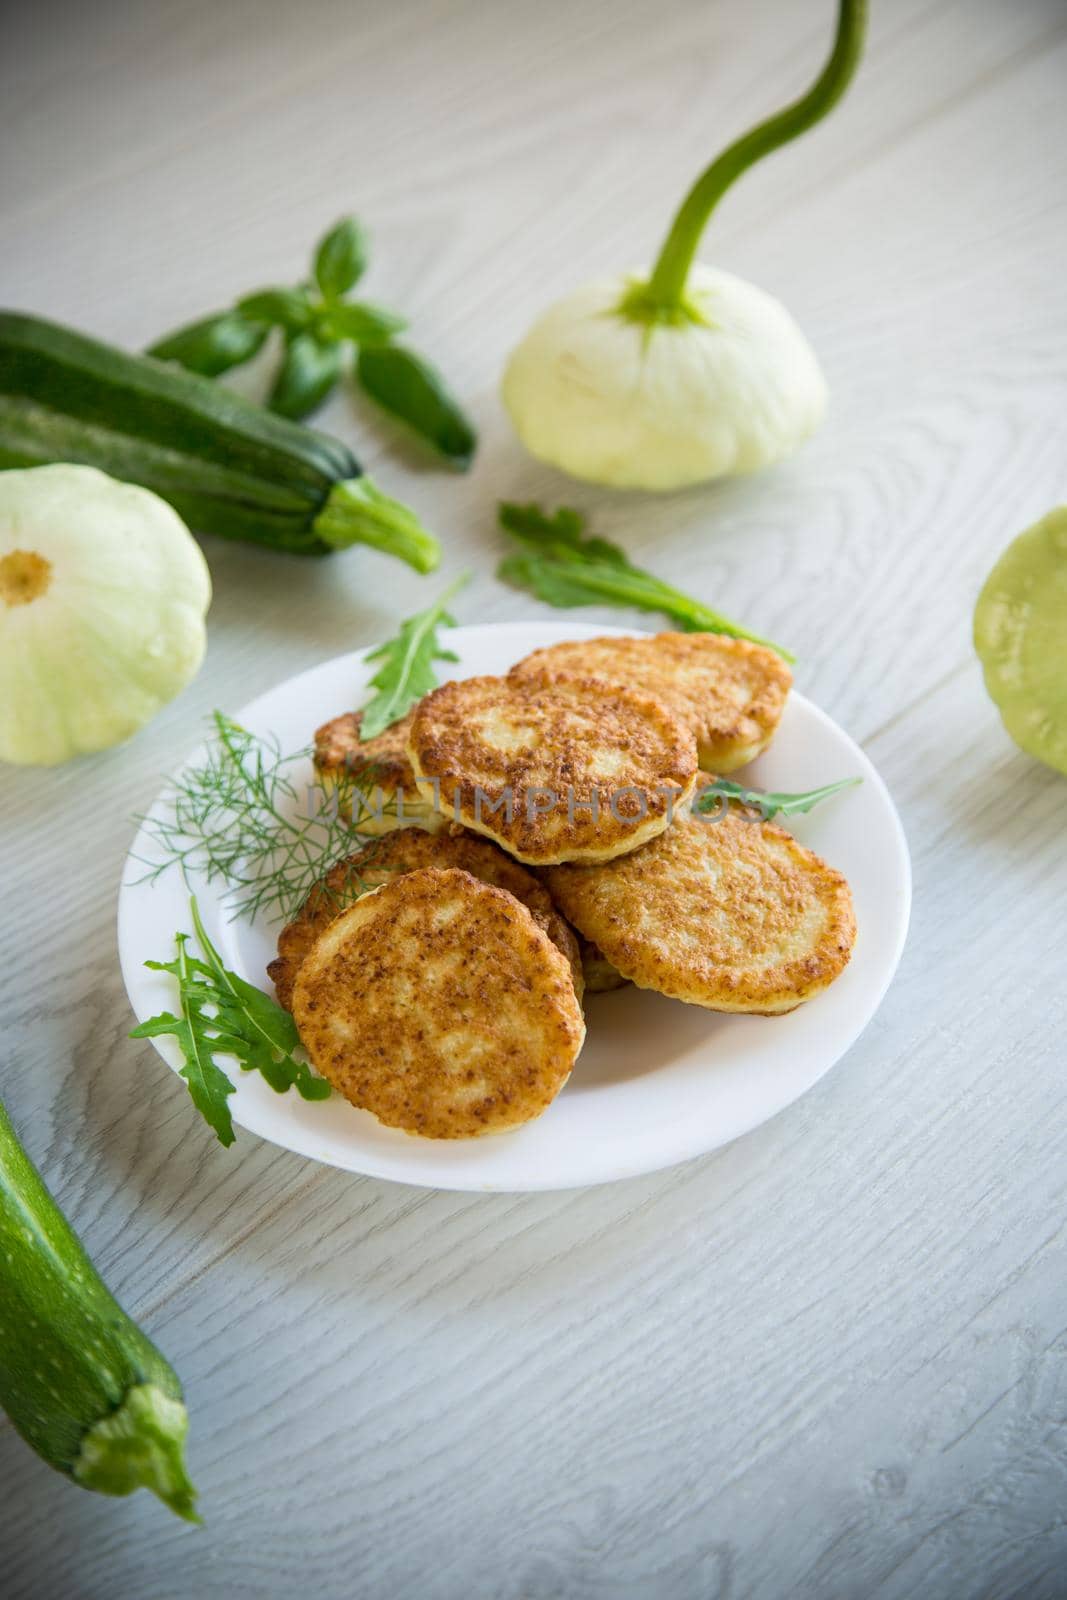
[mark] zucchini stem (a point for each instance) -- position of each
(140, 1446)
(357, 512)
(663, 297)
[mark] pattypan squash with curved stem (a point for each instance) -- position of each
(103, 594)
(664, 379)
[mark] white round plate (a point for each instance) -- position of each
(658, 1082)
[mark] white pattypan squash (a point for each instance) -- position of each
(732, 386)
(103, 594)
(671, 377)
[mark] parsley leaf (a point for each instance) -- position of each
(564, 568)
(407, 670)
(770, 804)
(222, 1014)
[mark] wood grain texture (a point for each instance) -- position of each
(830, 1360)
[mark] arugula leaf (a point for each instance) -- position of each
(208, 1084)
(264, 1030)
(407, 672)
(213, 345)
(222, 1014)
(306, 376)
(564, 568)
(769, 803)
(341, 258)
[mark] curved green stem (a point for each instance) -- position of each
(140, 1445)
(357, 512)
(666, 287)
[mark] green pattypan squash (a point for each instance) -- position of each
(1020, 634)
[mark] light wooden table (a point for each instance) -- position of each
(831, 1360)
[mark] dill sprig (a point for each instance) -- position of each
(238, 818)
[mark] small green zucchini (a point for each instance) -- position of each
(80, 1381)
(226, 466)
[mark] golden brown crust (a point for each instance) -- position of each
(733, 914)
(553, 746)
(376, 774)
(339, 750)
(729, 692)
(598, 974)
(439, 1005)
(410, 850)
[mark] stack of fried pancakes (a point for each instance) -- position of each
(562, 844)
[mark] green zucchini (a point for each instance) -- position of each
(227, 467)
(82, 1384)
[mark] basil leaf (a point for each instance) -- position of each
(213, 345)
(341, 258)
(365, 324)
(409, 387)
(285, 308)
(307, 375)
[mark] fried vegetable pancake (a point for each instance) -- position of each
(598, 974)
(729, 692)
(385, 795)
(720, 911)
(409, 850)
(578, 770)
(438, 1004)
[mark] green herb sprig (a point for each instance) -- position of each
(565, 568)
(768, 803)
(407, 664)
(318, 324)
(220, 1014)
(238, 819)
